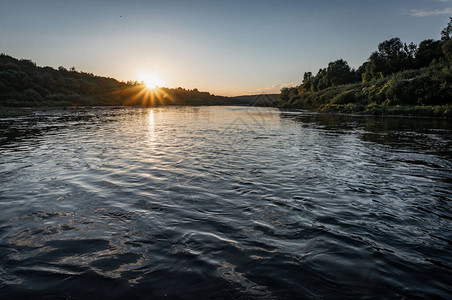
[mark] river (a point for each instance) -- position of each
(224, 202)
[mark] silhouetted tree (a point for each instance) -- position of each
(392, 56)
(284, 96)
(22, 83)
(427, 51)
(447, 49)
(446, 33)
(338, 72)
(307, 76)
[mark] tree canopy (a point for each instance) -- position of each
(22, 83)
(395, 74)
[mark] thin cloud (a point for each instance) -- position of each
(428, 13)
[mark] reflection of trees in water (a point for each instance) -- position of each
(423, 134)
(42, 123)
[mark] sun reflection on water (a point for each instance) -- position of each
(151, 126)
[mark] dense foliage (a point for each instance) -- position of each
(22, 83)
(397, 78)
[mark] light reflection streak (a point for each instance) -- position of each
(151, 126)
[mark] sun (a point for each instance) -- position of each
(151, 81)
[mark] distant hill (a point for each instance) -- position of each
(24, 84)
(258, 100)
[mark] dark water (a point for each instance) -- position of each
(224, 202)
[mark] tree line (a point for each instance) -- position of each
(24, 84)
(395, 74)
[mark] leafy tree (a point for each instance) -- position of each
(392, 56)
(427, 51)
(307, 76)
(447, 49)
(446, 33)
(284, 95)
(446, 37)
(22, 83)
(319, 82)
(339, 72)
(396, 74)
(390, 49)
(360, 72)
(375, 66)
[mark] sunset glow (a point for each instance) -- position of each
(151, 81)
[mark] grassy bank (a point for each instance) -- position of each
(439, 111)
(397, 79)
(423, 92)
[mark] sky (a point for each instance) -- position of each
(224, 47)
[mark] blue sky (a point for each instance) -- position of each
(225, 47)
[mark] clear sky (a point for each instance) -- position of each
(225, 47)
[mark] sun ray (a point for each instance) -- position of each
(150, 80)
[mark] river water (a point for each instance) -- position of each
(225, 202)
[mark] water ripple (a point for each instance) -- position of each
(224, 202)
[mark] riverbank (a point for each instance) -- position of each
(396, 79)
(437, 111)
(423, 92)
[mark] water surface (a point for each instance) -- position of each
(228, 202)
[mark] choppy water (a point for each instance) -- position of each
(224, 202)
